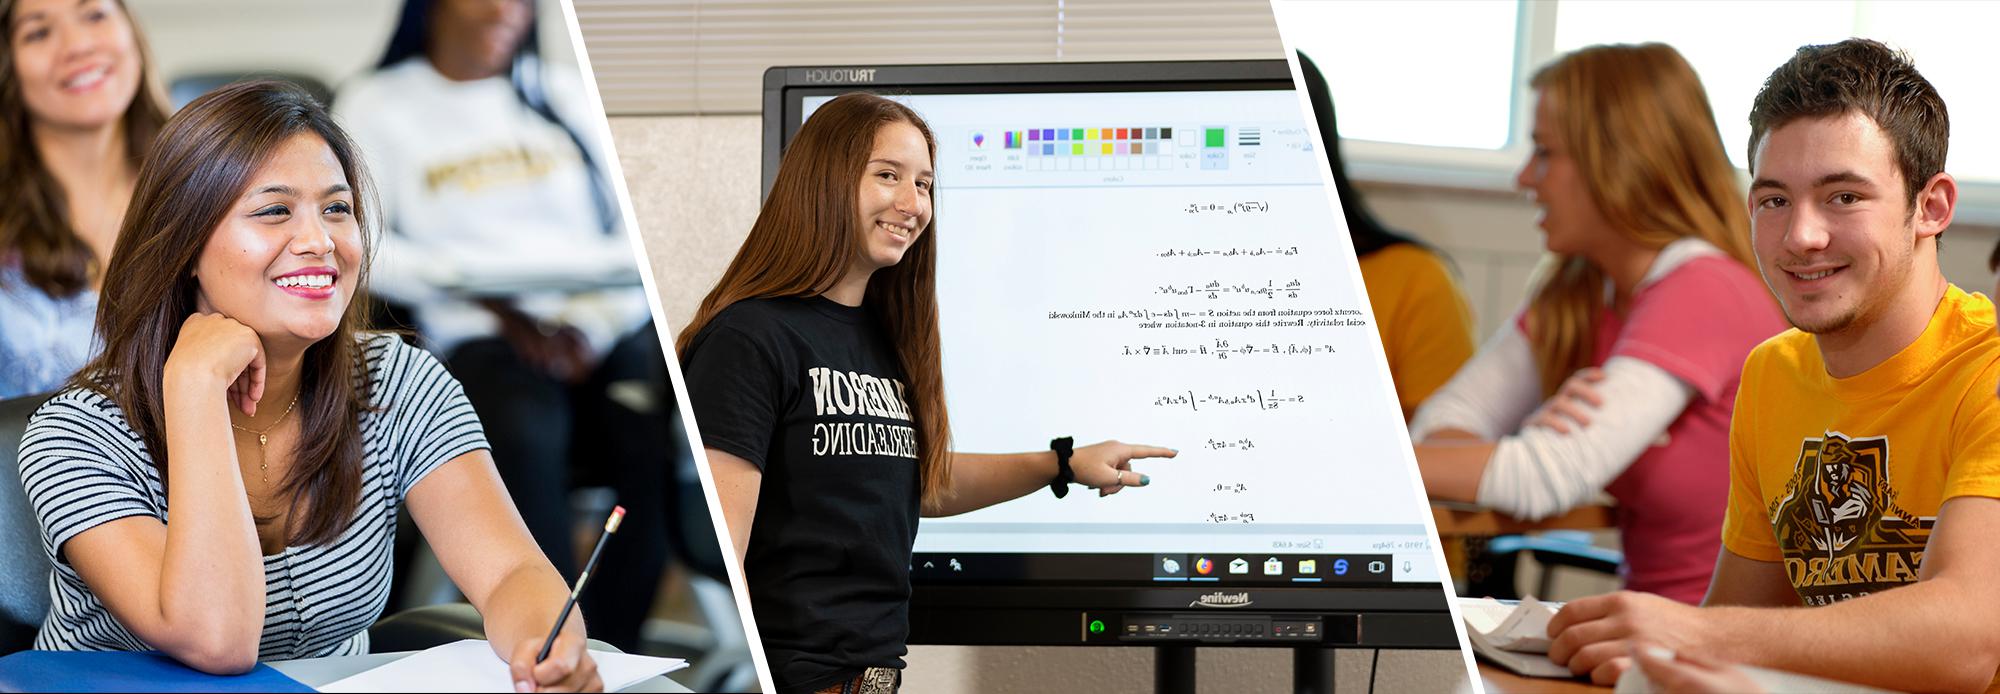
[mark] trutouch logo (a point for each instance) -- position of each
(840, 75)
(1222, 600)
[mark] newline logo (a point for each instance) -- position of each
(1222, 600)
(840, 75)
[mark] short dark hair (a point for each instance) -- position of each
(1859, 75)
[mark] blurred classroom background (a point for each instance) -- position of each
(199, 44)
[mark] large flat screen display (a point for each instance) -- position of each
(1148, 252)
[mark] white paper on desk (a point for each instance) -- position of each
(1634, 681)
(1526, 628)
(471, 666)
(1514, 637)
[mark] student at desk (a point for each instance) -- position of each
(77, 111)
(815, 375)
(236, 392)
(1649, 235)
(1865, 451)
(486, 173)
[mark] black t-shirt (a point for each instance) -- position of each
(810, 391)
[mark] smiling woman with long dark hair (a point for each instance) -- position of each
(814, 370)
(237, 391)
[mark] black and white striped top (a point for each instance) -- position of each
(83, 467)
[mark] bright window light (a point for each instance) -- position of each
(1734, 46)
(1423, 73)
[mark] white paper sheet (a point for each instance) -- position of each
(471, 666)
(1513, 637)
(1634, 681)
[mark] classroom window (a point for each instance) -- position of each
(1452, 88)
(1432, 91)
(1950, 42)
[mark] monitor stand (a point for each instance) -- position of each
(1174, 671)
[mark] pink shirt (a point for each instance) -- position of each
(1697, 323)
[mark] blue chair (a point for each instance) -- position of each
(24, 570)
(1553, 548)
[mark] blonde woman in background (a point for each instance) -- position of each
(76, 114)
(1620, 373)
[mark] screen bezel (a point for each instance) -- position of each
(1412, 615)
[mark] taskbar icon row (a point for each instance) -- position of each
(1286, 568)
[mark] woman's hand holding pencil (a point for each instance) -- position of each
(561, 662)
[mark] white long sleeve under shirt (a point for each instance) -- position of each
(1536, 472)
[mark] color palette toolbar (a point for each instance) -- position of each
(1114, 148)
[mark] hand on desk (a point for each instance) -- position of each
(1107, 466)
(1593, 636)
(569, 667)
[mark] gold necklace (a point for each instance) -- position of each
(264, 471)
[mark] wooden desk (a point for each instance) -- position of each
(1498, 680)
(1465, 520)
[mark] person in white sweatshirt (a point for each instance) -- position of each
(500, 229)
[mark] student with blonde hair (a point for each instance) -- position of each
(1602, 383)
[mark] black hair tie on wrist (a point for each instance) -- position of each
(1064, 475)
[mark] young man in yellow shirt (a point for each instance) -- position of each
(1865, 444)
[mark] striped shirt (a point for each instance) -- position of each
(83, 466)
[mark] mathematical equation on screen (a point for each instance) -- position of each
(1225, 349)
(1226, 208)
(1233, 252)
(1263, 399)
(1216, 289)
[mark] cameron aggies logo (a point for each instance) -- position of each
(841, 397)
(1220, 599)
(1838, 525)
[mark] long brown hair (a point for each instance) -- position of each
(35, 223)
(806, 238)
(1638, 123)
(198, 167)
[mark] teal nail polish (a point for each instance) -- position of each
(1145, 480)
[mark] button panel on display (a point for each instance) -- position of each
(1219, 628)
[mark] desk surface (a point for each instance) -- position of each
(315, 672)
(1497, 680)
(1464, 520)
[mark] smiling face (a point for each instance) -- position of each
(1555, 184)
(77, 61)
(286, 258)
(894, 201)
(1831, 222)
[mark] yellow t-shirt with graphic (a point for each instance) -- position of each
(1841, 478)
(1425, 324)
